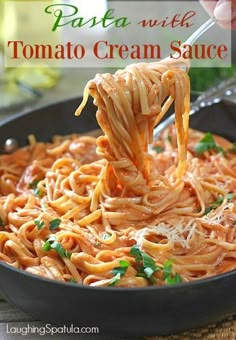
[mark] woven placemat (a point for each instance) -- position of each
(225, 329)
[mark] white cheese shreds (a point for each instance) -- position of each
(179, 233)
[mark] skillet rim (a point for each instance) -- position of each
(183, 285)
(28, 111)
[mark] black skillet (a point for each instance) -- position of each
(127, 311)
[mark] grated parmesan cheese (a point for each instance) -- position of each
(176, 233)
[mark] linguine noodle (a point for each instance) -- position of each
(105, 211)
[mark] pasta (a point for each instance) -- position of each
(107, 211)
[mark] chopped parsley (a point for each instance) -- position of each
(39, 224)
(115, 279)
(168, 276)
(208, 209)
(72, 280)
(229, 197)
(207, 143)
(122, 269)
(38, 193)
(34, 186)
(234, 222)
(146, 267)
(52, 243)
(158, 149)
(173, 279)
(54, 224)
(169, 138)
(119, 271)
(218, 202)
(135, 251)
(213, 206)
(105, 236)
(167, 269)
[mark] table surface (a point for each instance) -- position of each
(70, 86)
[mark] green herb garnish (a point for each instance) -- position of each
(105, 236)
(135, 251)
(234, 223)
(229, 197)
(119, 271)
(39, 224)
(207, 143)
(52, 243)
(170, 280)
(115, 279)
(167, 269)
(158, 149)
(122, 269)
(208, 209)
(169, 138)
(149, 267)
(146, 265)
(218, 202)
(72, 280)
(167, 273)
(214, 205)
(34, 185)
(38, 193)
(54, 224)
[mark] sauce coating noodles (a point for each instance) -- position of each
(104, 211)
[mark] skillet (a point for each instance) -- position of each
(117, 311)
